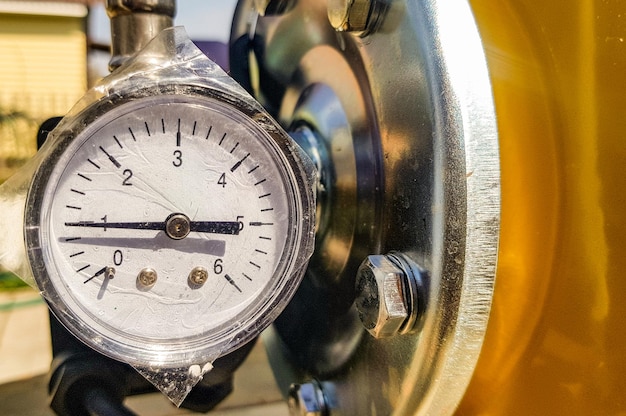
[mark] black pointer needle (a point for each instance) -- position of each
(98, 273)
(213, 227)
(124, 225)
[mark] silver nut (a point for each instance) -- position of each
(306, 400)
(380, 300)
(349, 15)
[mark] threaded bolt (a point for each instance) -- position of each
(387, 294)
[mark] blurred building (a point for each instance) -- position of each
(43, 70)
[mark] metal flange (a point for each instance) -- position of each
(401, 122)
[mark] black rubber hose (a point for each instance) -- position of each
(99, 402)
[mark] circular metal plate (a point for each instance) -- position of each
(406, 139)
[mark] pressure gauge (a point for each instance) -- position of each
(169, 225)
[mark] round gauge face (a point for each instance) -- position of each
(168, 227)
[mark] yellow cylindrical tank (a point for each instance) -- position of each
(556, 340)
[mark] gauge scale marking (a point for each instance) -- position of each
(167, 222)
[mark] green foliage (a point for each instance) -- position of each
(9, 281)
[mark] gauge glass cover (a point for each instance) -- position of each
(171, 228)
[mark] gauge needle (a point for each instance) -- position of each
(98, 273)
(213, 227)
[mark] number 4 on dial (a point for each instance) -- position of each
(222, 180)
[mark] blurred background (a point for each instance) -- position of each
(52, 51)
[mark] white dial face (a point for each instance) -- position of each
(167, 220)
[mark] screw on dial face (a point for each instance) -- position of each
(182, 189)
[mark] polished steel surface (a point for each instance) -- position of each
(405, 117)
(134, 23)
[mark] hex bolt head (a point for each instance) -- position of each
(386, 295)
(349, 15)
(307, 400)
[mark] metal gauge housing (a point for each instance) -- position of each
(170, 225)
